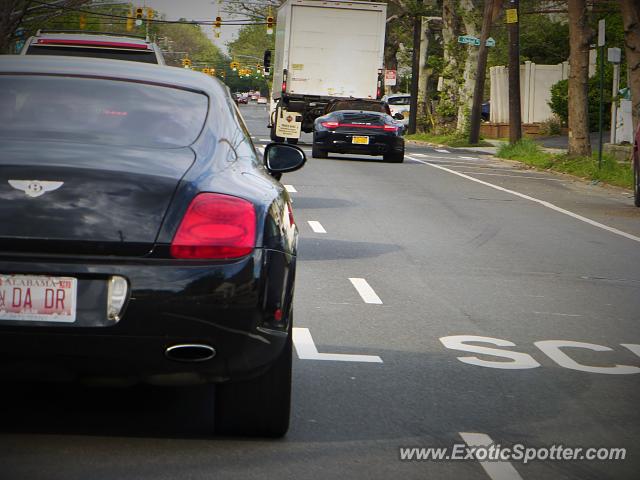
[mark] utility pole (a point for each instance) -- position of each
(415, 67)
(478, 89)
(515, 114)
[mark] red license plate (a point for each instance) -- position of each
(38, 298)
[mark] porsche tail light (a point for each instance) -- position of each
(390, 128)
(216, 226)
(330, 124)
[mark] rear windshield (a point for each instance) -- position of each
(99, 111)
(145, 56)
(399, 100)
(358, 105)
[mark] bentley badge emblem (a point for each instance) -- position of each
(35, 188)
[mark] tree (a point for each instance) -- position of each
(25, 14)
(579, 39)
(631, 17)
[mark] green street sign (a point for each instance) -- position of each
(469, 39)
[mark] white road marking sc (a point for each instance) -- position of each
(306, 350)
(365, 291)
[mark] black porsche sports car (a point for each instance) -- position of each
(358, 132)
(141, 237)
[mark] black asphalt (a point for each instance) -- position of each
(447, 256)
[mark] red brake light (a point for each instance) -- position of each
(91, 43)
(330, 124)
(390, 128)
(284, 87)
(216, 226)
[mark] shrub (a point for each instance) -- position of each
(551, 126)
(559, 102)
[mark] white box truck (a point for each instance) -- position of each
(324, 49)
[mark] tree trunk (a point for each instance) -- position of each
(631, 18)
(391, 61)
(579, 39)
(449, 93)
(468, 8)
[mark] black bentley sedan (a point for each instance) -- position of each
(358, 132)
(141, 237)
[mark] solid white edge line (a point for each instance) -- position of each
(497, 470)
(365, 291)
(536, 200)
(306, 350)
(441, 150)
(316, 226)
(291, 189)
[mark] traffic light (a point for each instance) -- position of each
(218, 22)
(234, 66)
(269, 25)
(205, 71)
(186, 63)
(130, 21)
(150, 13)
(138, 13)
(83, 22)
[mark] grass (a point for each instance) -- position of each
(530, 153)
(453, 140)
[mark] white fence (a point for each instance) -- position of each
(535, 91)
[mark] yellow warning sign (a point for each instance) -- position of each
(511, 15)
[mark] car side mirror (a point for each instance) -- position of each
(398, 116)
(282, 158)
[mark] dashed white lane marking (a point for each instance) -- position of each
(316, 226)
(442, 150)
(419, 154)
(265, 140)
(516, 176)
(558, 314)
(291, 189)
(467, 158)
(306, 350)
(497, 470)
(365, 291)
(536, 200)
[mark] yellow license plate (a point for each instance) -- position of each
(360, 140)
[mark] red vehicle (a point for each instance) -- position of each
(636, 168)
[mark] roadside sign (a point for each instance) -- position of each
(469, 39)
(390, 77)
(511, 15)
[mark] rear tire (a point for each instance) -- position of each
(394, 156)
(317, 153)
(636, 182)
(260, 406)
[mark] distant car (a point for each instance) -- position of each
(129, 248)
(636, 168)
(485, 112)
(262, 100)
(243, 100)
(358, 132)
(399, 103)
(97, 45)
(357, 104)
(254, 98)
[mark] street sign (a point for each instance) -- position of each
(390, 78)
(511, 15)
(469, 39)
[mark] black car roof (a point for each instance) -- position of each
(109, 69)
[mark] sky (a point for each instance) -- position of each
(194, 10)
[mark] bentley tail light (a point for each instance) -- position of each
(216, 226)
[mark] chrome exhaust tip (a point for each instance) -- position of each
(190, 352)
